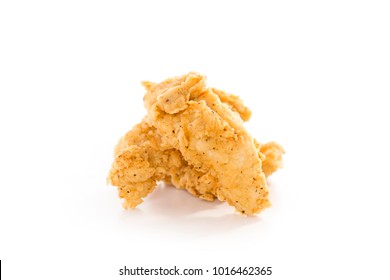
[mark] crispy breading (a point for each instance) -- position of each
(194, 138)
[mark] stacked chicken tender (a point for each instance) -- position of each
(193, 137)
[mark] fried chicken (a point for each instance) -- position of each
(194, 138)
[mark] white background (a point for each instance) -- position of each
(315, 74)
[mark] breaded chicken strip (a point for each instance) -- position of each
(194, 138)
(141, 160)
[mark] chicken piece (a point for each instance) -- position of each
(141, 160)
(194, 138)
(137, 158)
(271, 154)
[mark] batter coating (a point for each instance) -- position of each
(194, 138)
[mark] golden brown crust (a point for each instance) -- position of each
(235, 103)
(194, 138)
(273, 153)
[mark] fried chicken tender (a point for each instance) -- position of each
(194, 138)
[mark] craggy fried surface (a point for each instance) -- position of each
(194, 138)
